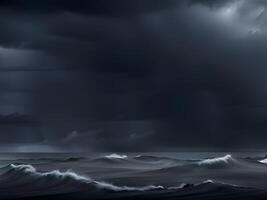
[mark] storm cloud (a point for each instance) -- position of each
(133, 75)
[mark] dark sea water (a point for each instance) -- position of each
(185, 175)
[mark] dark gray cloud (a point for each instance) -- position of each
(17, 128)
(212, 3)
(100, 7)
(16, 118)
(133, 76)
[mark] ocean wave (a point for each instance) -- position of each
(46, 160)
(212, 183)
(112, 159)
(219, 160)
(152, 158)
(116, 156)
(205, 183)
(181, 186)
(30, 170)
(29, 174)
(26, 181)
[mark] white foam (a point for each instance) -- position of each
(116, 156)
(25, 168)
(225, 159)
(112, 187)
(264, 161)
(55, 173)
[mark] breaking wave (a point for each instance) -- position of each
(27, 174)
(26, 181)
(220, 160)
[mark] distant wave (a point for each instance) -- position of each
(113, 159)
(207, 182)
(74, 159)
(31, 160)
(135, 162)
(220, 160)
(138, 157)
(146, 157)
(116, 156)
(29, 174)
(206, 164)
(152, 158)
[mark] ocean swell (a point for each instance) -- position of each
(28, 174)
(220, 160)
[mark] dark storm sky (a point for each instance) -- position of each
(154, 75)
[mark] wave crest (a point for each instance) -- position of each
(220, 160)
(264, 161)
(116, 156)
(29, 169)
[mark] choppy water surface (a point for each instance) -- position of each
(134, 175)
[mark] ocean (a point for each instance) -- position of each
(164, 175)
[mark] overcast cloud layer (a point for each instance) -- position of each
(154, 75)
